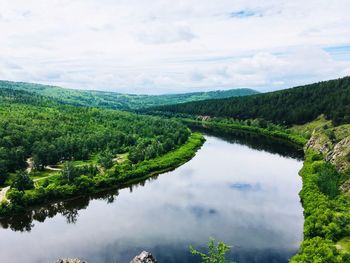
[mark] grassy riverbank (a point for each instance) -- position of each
(326, 212)
(325, 192)
(57, 188)
(268, 131)
(326, 206)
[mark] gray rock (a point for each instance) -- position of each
(70, 260)
(144, 257)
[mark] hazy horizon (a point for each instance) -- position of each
(199, 90)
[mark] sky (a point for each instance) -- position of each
(167, 46)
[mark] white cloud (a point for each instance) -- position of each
(171, 46)
(161, 33)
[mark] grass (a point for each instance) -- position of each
(342, 131)
(122, 158)
(344, 244)
(306, 129)
(119, 158)
(36, 175)
(53, 188)
(276, 133)
(92, 160)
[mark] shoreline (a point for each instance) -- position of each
(329, 233)
(141, 171)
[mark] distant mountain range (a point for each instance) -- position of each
(114, 100)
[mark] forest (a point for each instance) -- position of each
(114, 100)
(50, 132)
(290, 106)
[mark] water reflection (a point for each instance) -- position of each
(245, 187)
(254, 141)
(68, 209)
(243, 196)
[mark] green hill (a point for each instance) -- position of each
(49, 132)
(114, 100)
(290, 106)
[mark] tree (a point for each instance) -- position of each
(216, 253)
(68, 171)
(136, 154)
(22, 181)
(290, 106)
(317, 250)
(105, 159)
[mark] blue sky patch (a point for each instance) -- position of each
(339, 52)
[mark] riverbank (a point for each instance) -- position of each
(280, 133)
(325, 192)
(53, 189)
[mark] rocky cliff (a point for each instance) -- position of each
(334, 144)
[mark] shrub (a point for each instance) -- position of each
(216, 253)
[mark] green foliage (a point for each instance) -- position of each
(307, 129)
(75, 180)
(69, 172)
(270, 129)
(317, 250)
(344, 244)
(291, 106)
(22, 181)
(216, 254)
(328, 180)
(17, 198)
(49, 132)
(111, 100)
(105, 159)
(326, 211)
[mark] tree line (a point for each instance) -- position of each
(290, 106)
(113, 100)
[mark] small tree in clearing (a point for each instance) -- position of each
(216, 253)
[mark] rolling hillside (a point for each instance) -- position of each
(290, 106)
(114, 100)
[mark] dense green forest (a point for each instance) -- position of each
(290, 106)
(50, 132)
(97, 148)
(113, 100)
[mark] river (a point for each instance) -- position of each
(240, 188)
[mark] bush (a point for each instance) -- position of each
(326, 211)
(317, 250)
(216, 253)
(22, 181)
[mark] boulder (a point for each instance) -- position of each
(144, 257)
(71, 260)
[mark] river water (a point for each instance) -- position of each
(241, 189)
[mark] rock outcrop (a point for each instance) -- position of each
(336, 151)
(144, 257)
(72, 260)
(339, 154)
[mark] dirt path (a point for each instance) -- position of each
(29, 169)
(42, 178)
(3, 193)
(30, 165)
(4, 190)
(49, 167)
